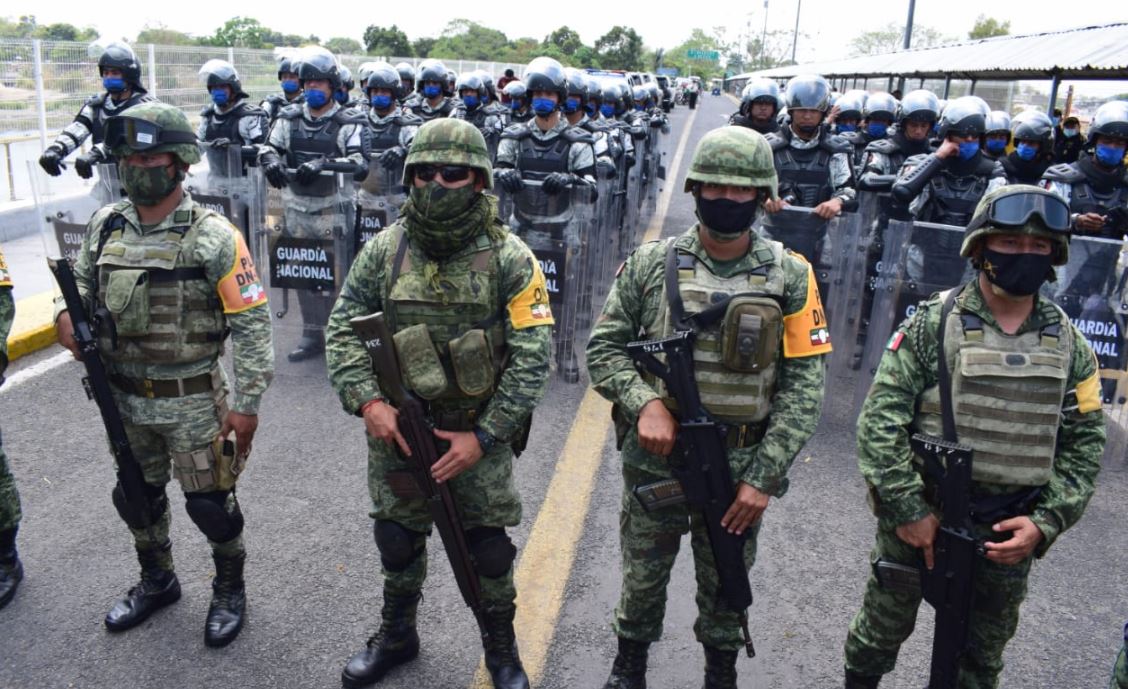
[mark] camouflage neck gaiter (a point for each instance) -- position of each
(444, 220)
(148, 186)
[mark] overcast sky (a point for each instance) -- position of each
(831, 24)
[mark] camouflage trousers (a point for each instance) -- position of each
(9, 497)
(887, 618)
(484, 493)
(649, 543)
(1120, 671)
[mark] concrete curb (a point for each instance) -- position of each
(34, 327)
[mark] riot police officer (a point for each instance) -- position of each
(759, 106)
(390, 130)
(916, 116)
(846, 113)
(433, 90)
(306, 136)
(121, 77)
(878, 112)
(996, 135)
(343, 93)
(408, 95)
(291, 89)
(473, 107)
(229, 120)
(1032, 133)
(518, 95)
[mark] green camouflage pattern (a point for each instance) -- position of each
(449, 141)
(733, 155)
(650, 541)
(485, 493)
(967, 248)
(896, 488)
(9, 497)
(170, 118)
(1120, 670)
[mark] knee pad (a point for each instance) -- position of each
(209, 512)
(399, 546)
(491, 550)
(134, 515)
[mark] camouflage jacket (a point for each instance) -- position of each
(635, 300)
(524, 379)
(909, 367)
(7, 312)
(220, 248)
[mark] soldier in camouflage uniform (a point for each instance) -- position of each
(1120, 672)
(1052, 411)
(768, 411)
(175, 278)
(11, 571)
(448, 272)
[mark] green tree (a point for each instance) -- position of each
(585, 56)
(986, 27)
(391, 41)
(464, 39)
(343, 46)
(678, 56)
(565, 40)
(890, 38)
(241, 32)
(422, 46)
(522, 50)
(24, 27)
(620, 48)
(65, 32)
(162, 35)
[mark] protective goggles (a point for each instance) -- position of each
(141, 135)
(1015, 210)
(450, 173)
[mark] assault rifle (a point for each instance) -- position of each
(703, 478)
(138, 505)
(417, 430)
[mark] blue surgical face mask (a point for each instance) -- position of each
(1025, 151)
(1070, 133)
(316, 98)
(219, 96)
(544, 107)
(516, 104)
(590, 109)
(846, 128)
(607, 110)
(968, 149)
(877, 130)
(432, 91)
(290, 85)
(381, 102)
(471, 101)
(113, 84)
(1109, 155)
(640, 107)
(996, 145)
(571, 105)
(341, 97)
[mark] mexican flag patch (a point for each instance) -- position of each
(895, 341)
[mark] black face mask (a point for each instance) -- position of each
(1018, 274)
(726, 218)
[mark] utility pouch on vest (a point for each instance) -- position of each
(196, 470)
(750, 334)
(127, 298)
(228, 465)
(472, 361)
(421, 366)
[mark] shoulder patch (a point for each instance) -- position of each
(240, 289)
(290, 112)
(515, 131)
(895, 340)
(5, 275)
(777, 142)
(530, 307)
(884, 146)
(578, 135)
(806, 332)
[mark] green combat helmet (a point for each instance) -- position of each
(153, 128)
(734, 155)
(1022, 209)
(449, 141)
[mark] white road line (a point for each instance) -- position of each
(23, 375)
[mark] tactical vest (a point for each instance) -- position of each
(451, 343)
(1022, 171)
(313, 140)
(804, 173)
(1007, 394)
(103, 108)
(955, 196)
(536, 159)
(730, 395)
(164, 308)
(1094, 195)
(225, 126)
(427, 115)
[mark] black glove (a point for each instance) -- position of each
(275, 173)
(360, 173)
(84, 164)
(309, 171)
(52, 161)
(509, 179)
(221, 142)
(606, 169)
(391, 158)
(630, 160)
(556, 182)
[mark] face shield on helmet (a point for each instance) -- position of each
(222, 82)
(318, 64)
(119, 56)
(382, 76)
(516, 92)
(152, 128)
(1110, 120)
(576, 86)
(472, 82)
(545, 74)
(431, 79)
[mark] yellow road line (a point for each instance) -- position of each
(546, 562)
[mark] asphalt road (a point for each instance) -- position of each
(313, 577)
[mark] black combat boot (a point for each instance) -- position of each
(395, 643)
(11, 570)
(158, 587)
(856, 681)
(500, 645)
(720, 669)
(629, 668)
(312, 344)
(228, 603)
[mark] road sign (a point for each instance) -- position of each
(711, 55)
(668, 71)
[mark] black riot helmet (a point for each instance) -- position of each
(119, 55)
(516, 89)
(807, 91)
(964, 116)
(576, 83)
(546, 74)
(760, 90)
(431, 70)
(347, 83)
(1111, 119)
(998, 122)
(451, 80)
(472, 81)
(881, 105)
(287, 64)
(488, 82)
(221, 73)
(364, 71)
(316, 62)
(851, 105)
(383, 76)
(920, 105)
(406, 73)
(1032, 125)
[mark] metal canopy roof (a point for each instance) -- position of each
(1093, 52)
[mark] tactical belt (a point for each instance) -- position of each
(166, 387)
(456, 421)
(745, 434)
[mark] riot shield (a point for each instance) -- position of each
(378, 202)
(602, 239)
(303, 255)
(225, 187)
(107, 187)
(62, 212)
(555, 227)
(840, 271)
(632, 222)
(1091, 289)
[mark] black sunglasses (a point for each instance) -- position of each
(450, 173)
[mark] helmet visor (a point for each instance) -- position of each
(1015, 210)
(142, 135)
